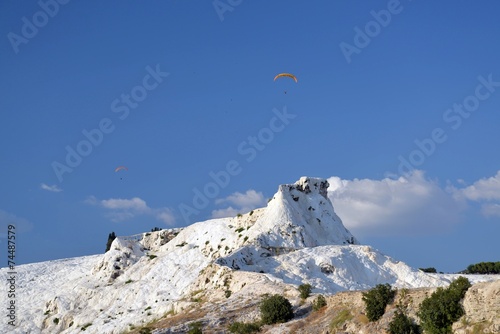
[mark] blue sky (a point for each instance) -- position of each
(397, 104)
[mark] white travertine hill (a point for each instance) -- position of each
(296, 239)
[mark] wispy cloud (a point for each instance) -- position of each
(485, 191)
(135, 204)
(405, 206)
(122, 209)
(239, 203)
(21, 224)
(53, 188)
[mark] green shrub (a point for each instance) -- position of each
(56, 320)
(319, 303)
(402, 324)
(305, 290)
(195, 328)
(244, 328)
(439, 311)
(428, 270)
(275, 309)
(377, 299)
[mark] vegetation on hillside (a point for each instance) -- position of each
(484, 268)
(377, 299)
(438, 312)
(275, 309)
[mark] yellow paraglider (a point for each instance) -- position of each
(286, 75)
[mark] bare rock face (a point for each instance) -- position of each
(482, 309)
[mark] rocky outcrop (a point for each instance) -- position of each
(344, 314)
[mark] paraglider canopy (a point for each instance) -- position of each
(120, 168)
(286, 75)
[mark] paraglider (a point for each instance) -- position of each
(289, 75)
(119, 168)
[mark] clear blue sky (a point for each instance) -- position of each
(374, 79)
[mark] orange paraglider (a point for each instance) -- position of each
(119, 168)
(289, 75)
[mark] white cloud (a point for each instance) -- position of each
(404, 206)
(21, 224)
(135, 204)
(120, 209)
(227, 212)
(483, 189)
(248, 199)
(490, 210)
(239, 203)
(53, 188)
(166, 216)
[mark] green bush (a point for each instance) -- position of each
(195, 328)
(244, 328)
(377, 299)
(275, 309)
(438, 312)
(402, 324)
(319, 303)
(305, 290)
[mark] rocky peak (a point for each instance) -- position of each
(312, 185)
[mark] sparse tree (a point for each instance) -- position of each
(319, 303)
(305, 290)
